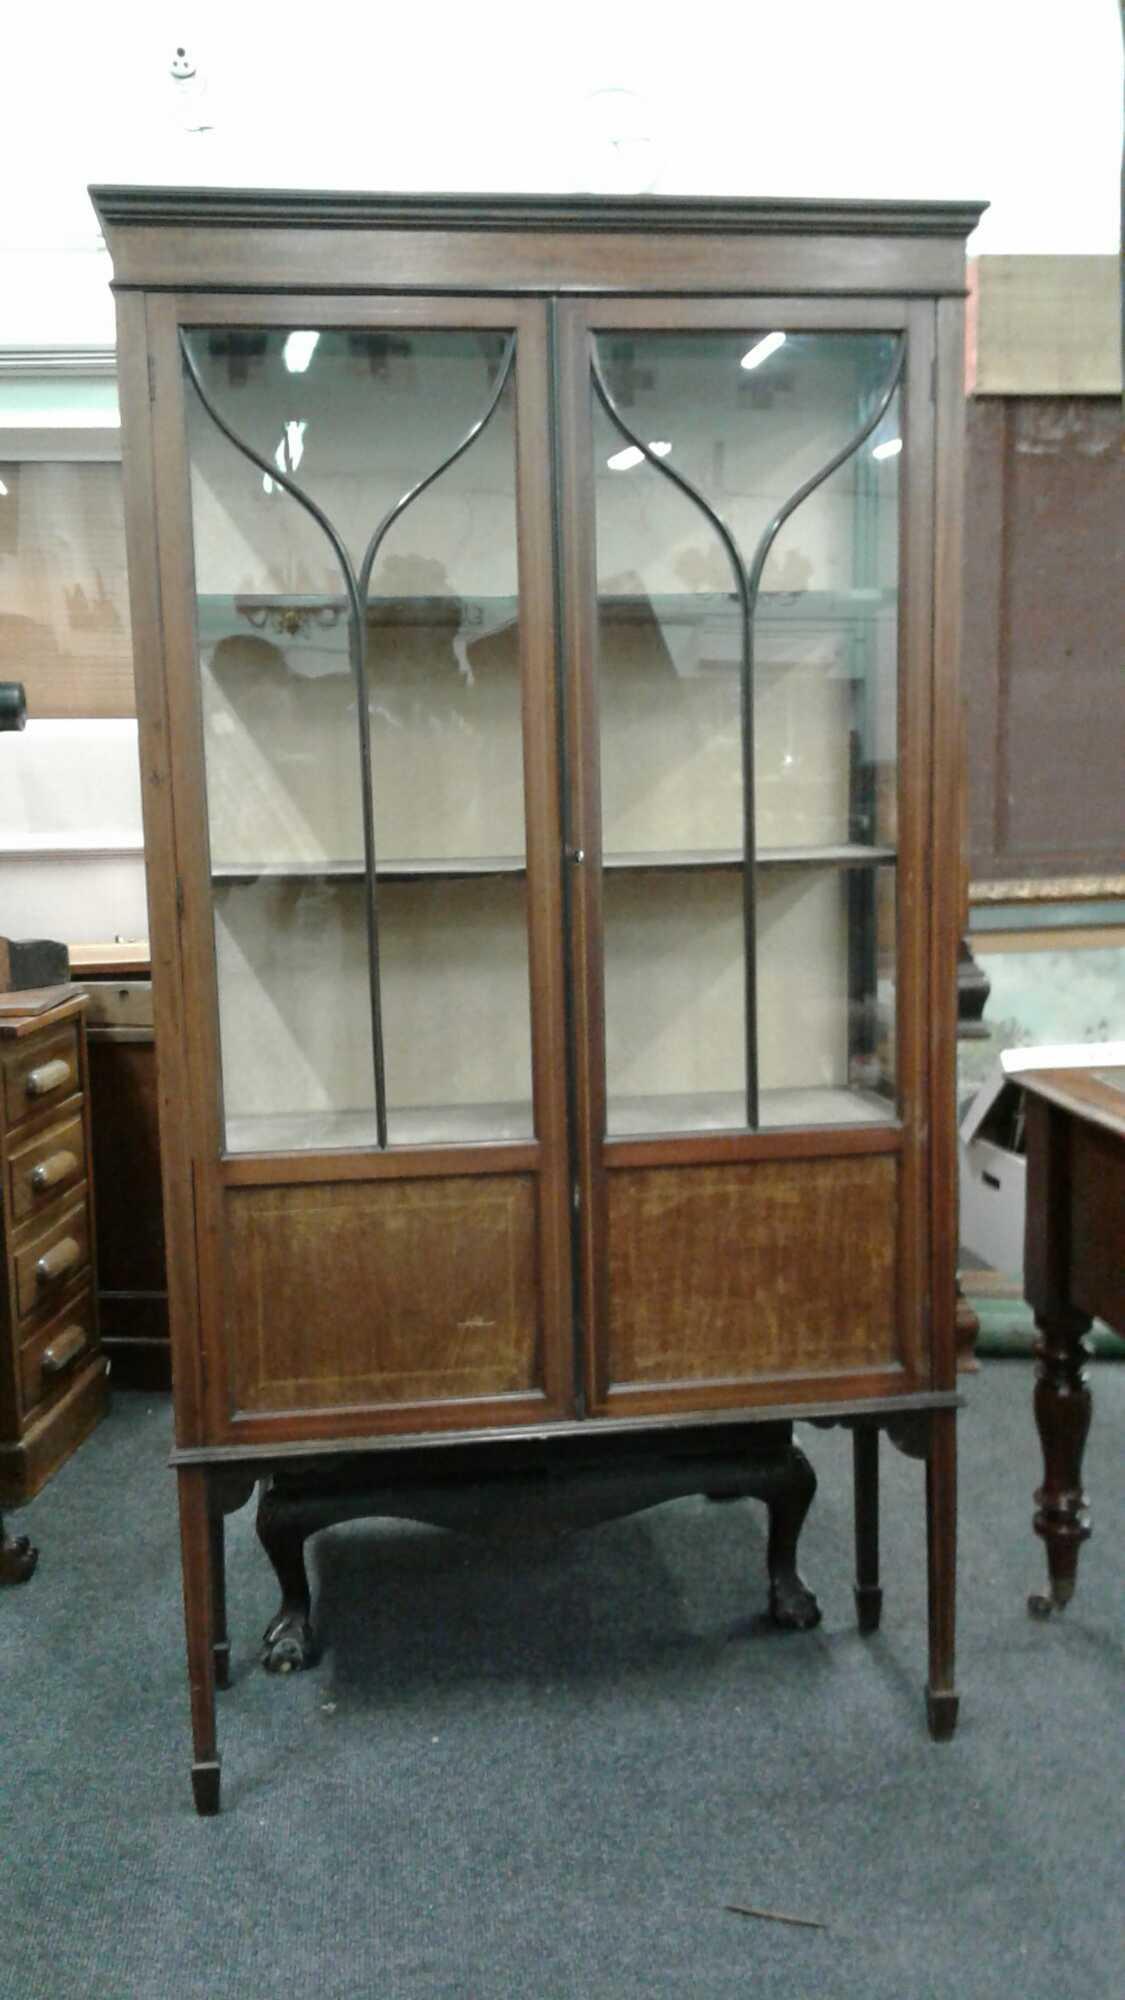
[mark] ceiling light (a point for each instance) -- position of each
(889, 449)
(298, 351)
(624, 461)
(762, 349)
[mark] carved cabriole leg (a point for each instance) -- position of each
(941, 1538)
(1062, 1414)
(283, 1524)
(199, 1619)
(868, 1594)
(17, 1557)
(779, 1474)
(788, 1496)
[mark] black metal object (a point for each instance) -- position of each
(26, 963)
(13, 705)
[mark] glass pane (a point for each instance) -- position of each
(826, 995)
(674, 1000)
(304, 940)
(700, 600)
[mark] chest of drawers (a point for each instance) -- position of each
(53, 1375)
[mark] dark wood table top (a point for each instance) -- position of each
(1095, 1094)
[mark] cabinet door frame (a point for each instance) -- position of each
(199, 1173)
(924, 753)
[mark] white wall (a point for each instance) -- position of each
(1018, 101)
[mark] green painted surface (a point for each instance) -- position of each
(1007, 1327)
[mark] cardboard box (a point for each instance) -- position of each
(991, 1149)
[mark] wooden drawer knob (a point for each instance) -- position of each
(60, 1258)
(55, 1168)
(49, 1076)
(64, 1350)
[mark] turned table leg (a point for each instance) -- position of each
(1062, 1395)
(199, 1618)
(1062, 1416)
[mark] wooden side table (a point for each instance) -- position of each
(1074, 1272)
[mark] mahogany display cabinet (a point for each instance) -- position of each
(545, 625)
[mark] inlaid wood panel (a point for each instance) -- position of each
(740, 1272)
(385, 1293)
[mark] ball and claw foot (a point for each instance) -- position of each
(17, 1559)
(793, 1608)
(288, 1645)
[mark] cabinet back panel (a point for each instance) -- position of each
(395, 1292)
(741, 1272)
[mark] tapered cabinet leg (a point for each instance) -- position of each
(199, 1618)
(941, 1539)
(1062, 1415)
(868, 1593)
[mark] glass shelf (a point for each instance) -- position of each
(841, 855)
(291, 612)
(406, 870)
(725, 1111)
(412, 868)
(414, 1125)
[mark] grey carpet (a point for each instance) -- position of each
(546, 1775)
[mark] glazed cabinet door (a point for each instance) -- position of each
(749, 711)
(364, 653)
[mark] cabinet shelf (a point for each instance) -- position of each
(414, 869)
(648, 1116)
(335, 1131)
(725, 1111)
(842, 855)
(424, 868)
(288, 614)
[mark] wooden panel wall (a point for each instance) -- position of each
(1042, 664)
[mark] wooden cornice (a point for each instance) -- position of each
(272, 208)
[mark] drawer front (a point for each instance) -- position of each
(44, 1074)
(53, 1260)
(119, 1004)
(46, 1167)
(54, 1353)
